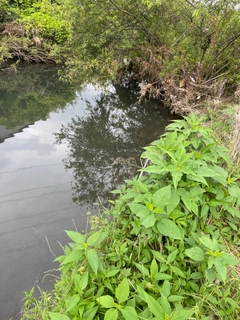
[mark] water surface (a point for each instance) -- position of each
(62, 149)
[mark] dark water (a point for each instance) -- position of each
(62, 149)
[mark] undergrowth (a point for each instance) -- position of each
(168, 246)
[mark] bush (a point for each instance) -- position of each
(162, 249)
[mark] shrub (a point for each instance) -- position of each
(162, 249)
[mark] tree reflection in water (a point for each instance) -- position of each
(105, 146)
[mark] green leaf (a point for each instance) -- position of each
(142, 269)
(195, 253)
(229, 259)
(234, 191)
(175, 298)
(221, 269)
(154, 306)
(129, 313)
(153, 268)
(162, 276)
(96, 238)
(176, 175)
(75, 255)
(187, 201)
(171, 257)
(178, 271)
(169, 228)
(111, 314)
(90, 314)
(92, 258)
(58, 316)
(83, 282)
(75, 236)
(149, 221)
(106, 301)
(175, 199)
(181, 314)
(122, 291)
(72, 302)
(162, 196)
(112, 273)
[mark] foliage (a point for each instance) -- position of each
(162, 249)
(162, 39)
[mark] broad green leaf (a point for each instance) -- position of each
(229, 259)
(221, 269)
(75, 255)
(154, 306)
(76, 236)
(139, 209)
(112, 273)
(162, 197)
(149, 221)
(165, 305)
(195, 253)
(111, 314)
(234, 191)
(106, 301)
(187, 201)
(204, 210)
(129, 313)
(169, 228)
(96, 238)
(122, 291)
(58, 316)
(208, 242)
(92, 258)
(72, 302)
(171, 257)
(176, 175)
(175, 199)
(83, 282)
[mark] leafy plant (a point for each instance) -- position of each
(165, 253)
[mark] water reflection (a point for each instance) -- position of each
(104, 146)
(30, 95)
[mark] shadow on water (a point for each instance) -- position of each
(105, 146)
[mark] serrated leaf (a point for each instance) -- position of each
(175, 199)
(162, 196)
(187, 201)
(58, 316)
(92, 258)
(122, 291)
(112, 273)
(90, 314)
(76, 236)
(106, 301)
(169, 229)
(83, 282)
(75, 255)
(195, 253)
(111, 314)
(129, 313)
(171, 257)
(176, 176)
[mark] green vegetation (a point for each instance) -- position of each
(165, 248)
(181, 49)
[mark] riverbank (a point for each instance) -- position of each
(167, 246)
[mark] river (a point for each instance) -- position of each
(62, 149)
